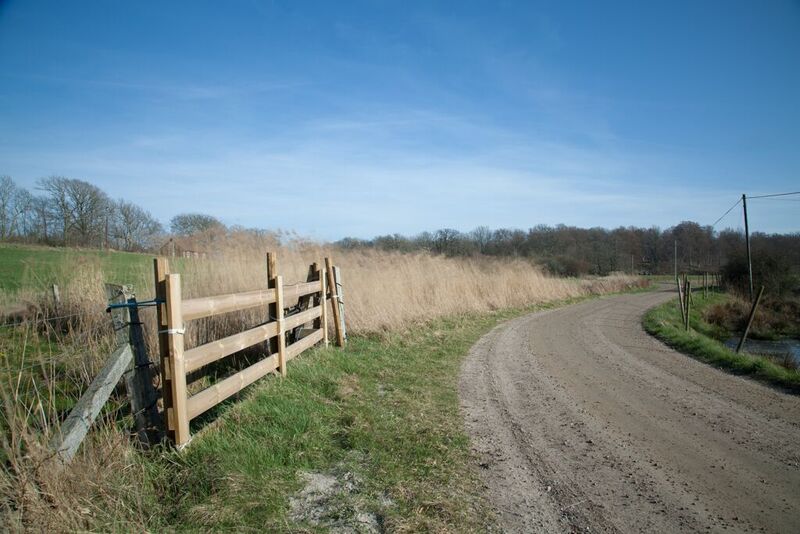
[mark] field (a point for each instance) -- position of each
(38, 267)
(383, 412)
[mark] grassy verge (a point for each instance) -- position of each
(702, 342)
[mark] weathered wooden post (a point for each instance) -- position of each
(56, 299)
(139, 379)
(681, 303)
(73, 430)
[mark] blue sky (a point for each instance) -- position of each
(364, 118)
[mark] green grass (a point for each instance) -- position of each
(702, 342)
(24, 266)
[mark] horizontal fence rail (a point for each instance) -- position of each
(312, 299)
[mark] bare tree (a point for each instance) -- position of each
(134, 228)
(193, 223)
(15, 204)
(81, 209)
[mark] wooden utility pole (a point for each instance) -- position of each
(747, 240)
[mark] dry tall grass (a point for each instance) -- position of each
(49, 361)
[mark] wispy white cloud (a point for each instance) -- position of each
(347, 176)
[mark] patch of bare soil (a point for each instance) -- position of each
(332, 500)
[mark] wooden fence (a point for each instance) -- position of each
(174, 312)
(284, 330)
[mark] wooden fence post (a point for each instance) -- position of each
(323, 292)
(279, 317)
(750, 319)
(139, 379)
(179, 415)
(272, 309)
(161, 270)
(56, 299)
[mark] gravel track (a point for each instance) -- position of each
(582, 422)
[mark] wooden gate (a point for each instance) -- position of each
(176, 361)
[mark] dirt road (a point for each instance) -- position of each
(583, 422)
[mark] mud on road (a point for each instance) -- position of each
(582, 422)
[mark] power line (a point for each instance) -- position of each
(727, 212)
(776, 195)
(782, 199)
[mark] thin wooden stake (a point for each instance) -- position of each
(179, 415)
(688, 303)
(681, 303)
(281, 333)
(750, 319)
(334, 303)
(337, 279)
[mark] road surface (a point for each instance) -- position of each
(583, 422)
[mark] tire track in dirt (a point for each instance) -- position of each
(581, 421)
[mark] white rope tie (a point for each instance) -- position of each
(171, 331)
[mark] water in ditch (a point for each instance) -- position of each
(779, 347)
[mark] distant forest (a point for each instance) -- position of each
(571, 251)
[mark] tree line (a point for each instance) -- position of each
(571, 251)
(65, 211)
(70, 212)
